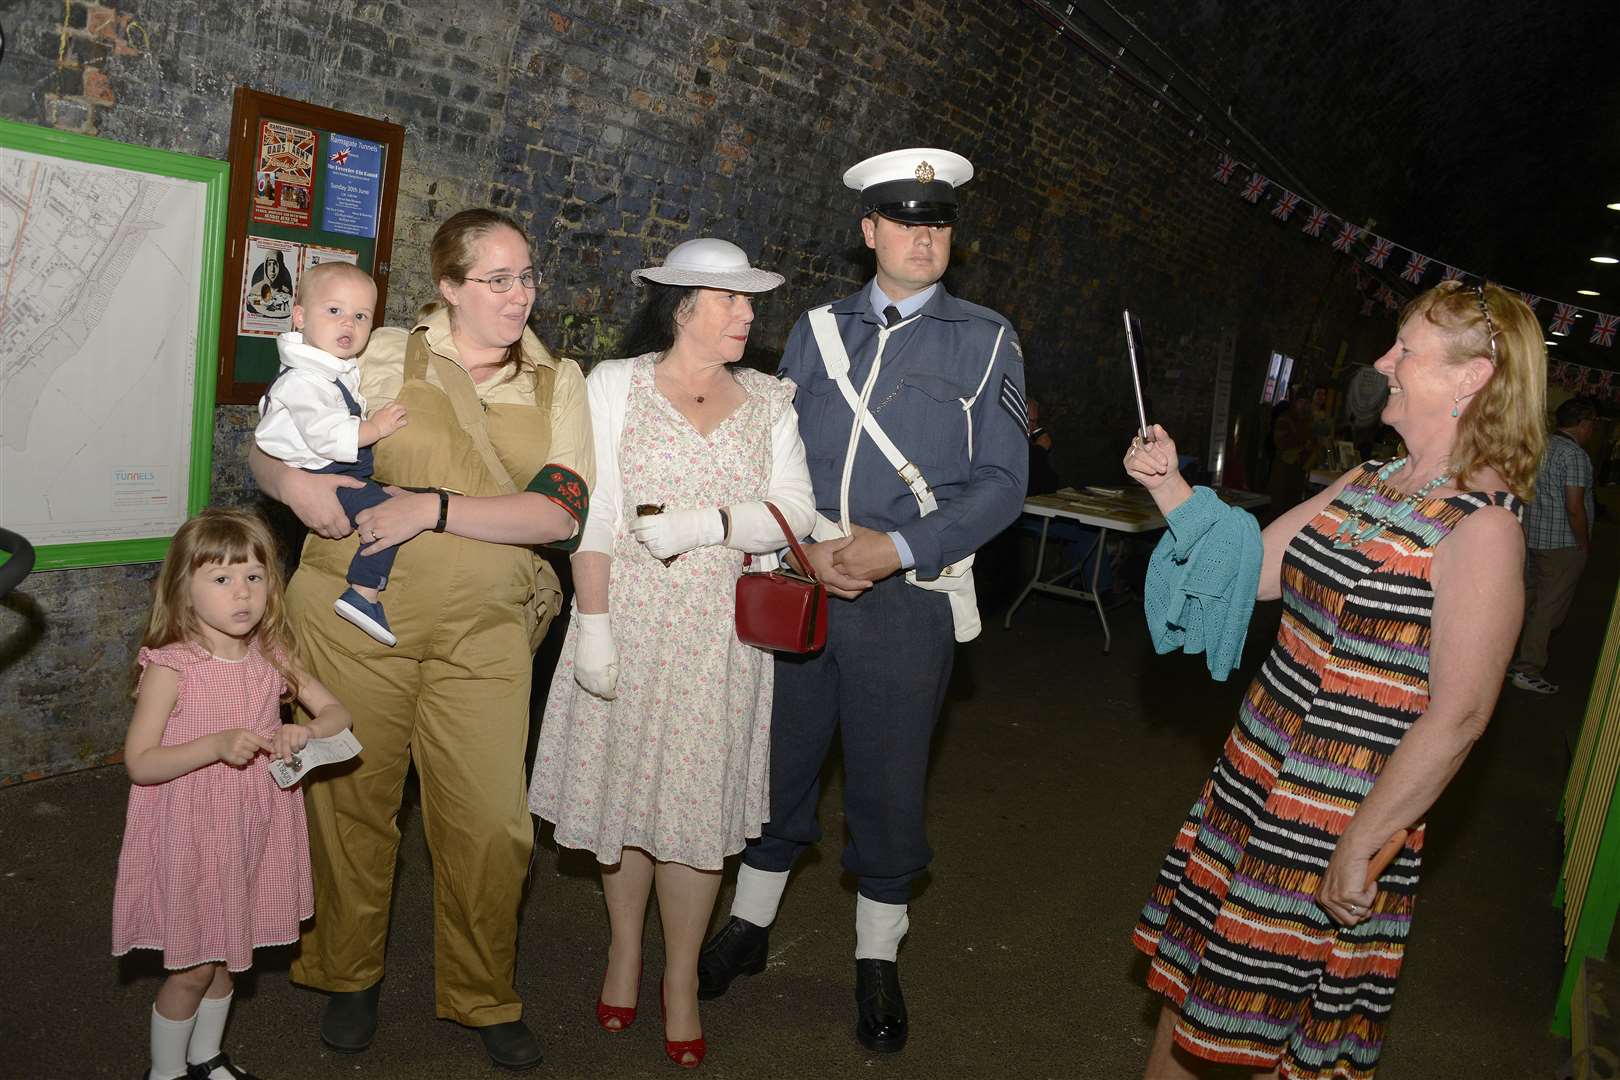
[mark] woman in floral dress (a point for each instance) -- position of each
(654, 751)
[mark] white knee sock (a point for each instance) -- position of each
(878, 929)
(759, 893)
(169, 1039)
(209, 1034)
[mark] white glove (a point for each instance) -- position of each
(668, 534)
(596, 658)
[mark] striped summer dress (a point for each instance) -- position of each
(1259, 972)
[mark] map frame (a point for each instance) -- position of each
(215, 178)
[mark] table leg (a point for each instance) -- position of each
(1097, 556)
(1040, 559)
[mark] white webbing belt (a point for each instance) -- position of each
(835, 359)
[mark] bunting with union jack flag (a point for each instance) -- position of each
(1603, 332)
(1380, 250)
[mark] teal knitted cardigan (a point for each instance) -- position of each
(1203, 579)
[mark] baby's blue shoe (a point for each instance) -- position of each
(364, 614)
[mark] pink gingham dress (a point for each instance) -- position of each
(215, 863)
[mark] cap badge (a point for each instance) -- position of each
(924, 173)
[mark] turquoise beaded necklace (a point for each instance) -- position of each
(1362, 524)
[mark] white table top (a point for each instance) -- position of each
(1130, 511)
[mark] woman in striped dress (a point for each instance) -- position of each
(1402, 596)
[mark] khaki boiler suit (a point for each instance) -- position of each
(453, 694)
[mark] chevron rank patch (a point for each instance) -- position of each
(1012, 399)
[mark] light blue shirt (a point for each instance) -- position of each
(907, 308)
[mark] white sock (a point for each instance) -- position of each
(209, 1034)
(759, 893)
(878, 929)
(169, 1039)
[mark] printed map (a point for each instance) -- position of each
(99, 282)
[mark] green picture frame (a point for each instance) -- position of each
(215, 178)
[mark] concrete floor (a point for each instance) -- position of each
(1060, 776)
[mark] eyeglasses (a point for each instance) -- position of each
(1485, 310)
(529, 279)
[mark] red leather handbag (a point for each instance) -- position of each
(782, 611)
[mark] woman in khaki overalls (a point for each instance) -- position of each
(499, 428)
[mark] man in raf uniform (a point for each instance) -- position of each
(935, 466)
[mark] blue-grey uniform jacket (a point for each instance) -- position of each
(929, 368)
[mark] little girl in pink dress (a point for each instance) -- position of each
(215, 861)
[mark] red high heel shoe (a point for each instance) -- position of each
(624, 1014)
(677, 1051)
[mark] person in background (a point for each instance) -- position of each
(1274, 945)
(1558, 533)
(1043, 478)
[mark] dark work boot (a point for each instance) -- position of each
(349, 1021)
(511, 1045)
(739, 948)
(880, 1007)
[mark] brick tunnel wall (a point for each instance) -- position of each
(616, 128)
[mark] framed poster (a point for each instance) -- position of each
(113, 258)
(310, 184)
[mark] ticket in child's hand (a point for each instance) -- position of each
(316, 752)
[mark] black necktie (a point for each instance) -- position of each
(891, 314)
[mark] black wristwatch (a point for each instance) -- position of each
(444, 509)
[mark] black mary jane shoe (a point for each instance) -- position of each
(739, 948)
(205, 1070)
(511, 1045)
(349, 1021)
(880, 1022)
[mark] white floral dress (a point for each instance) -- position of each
(677, 764)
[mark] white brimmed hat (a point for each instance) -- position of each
(709, 264)
(916, 186)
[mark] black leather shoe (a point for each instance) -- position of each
(205, 1070)
(739, 948)
(880, 1007)
(349, 1021)
(511, 1045)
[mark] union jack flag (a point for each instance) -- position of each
(1285, 205)
(1416, 267)
(1381, 250)
(1255, 187)
(1451, 273)
(1387, 297)
(1531, 299)
(1347, 237)
(1563, 320)
(1605, 386)
(1367, 305)
(1603, 332)
(339, 158)
(1313, 223)
(1560, 374)
(1223, 171)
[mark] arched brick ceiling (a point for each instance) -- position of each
(1486, 134)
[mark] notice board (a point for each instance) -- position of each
(309, 185)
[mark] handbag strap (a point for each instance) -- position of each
(793, 542)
